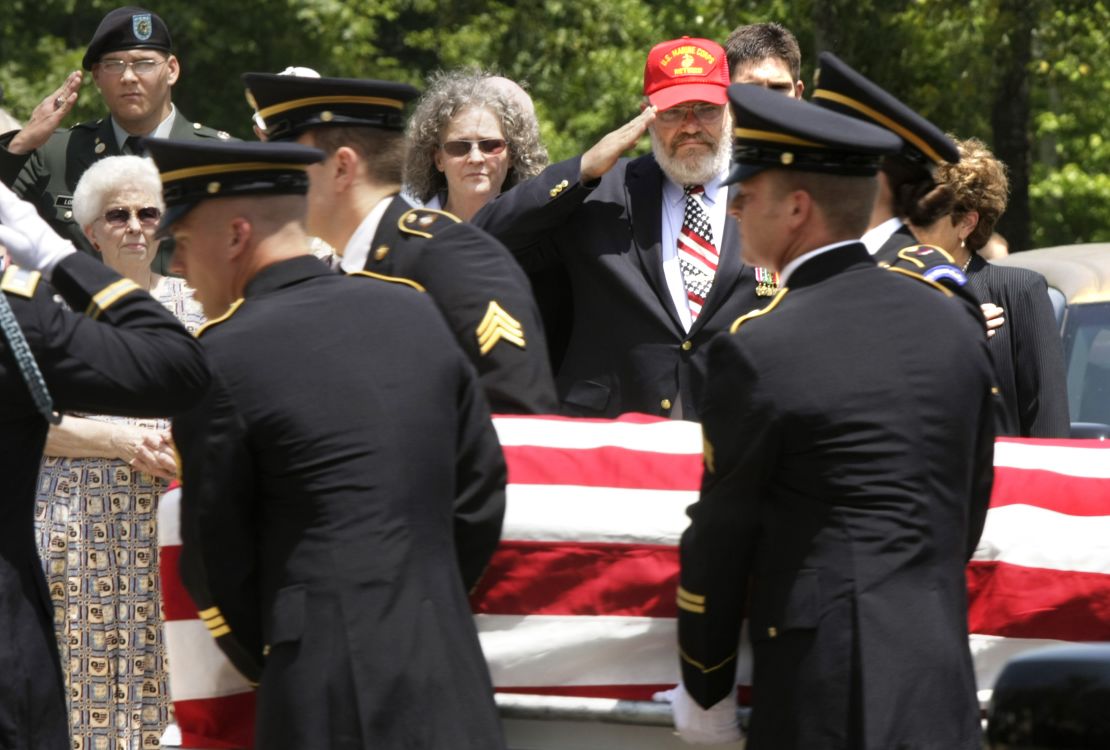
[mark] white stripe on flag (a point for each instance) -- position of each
(543, 512)
(169, 518)
(670, 436)
(554, 651)
(1038, 538)
(198, 669)
(1060, 459)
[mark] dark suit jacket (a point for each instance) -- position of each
(136, 360)
(900, 238)
(1027, 351)
(343, 485)
(627, 349)
(848, 473)
(483, 295)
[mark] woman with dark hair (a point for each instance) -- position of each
(470, 138)
(1028, 355)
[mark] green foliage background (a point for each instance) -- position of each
(583, 63)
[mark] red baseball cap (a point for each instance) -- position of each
(686, 70)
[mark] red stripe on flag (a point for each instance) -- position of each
(580, 578)
(176, 602)
(1020, 602)
(217, 723)
(603, 467)
(1062, 493)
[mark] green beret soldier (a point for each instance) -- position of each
(133, 66)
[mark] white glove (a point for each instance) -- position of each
(30, 241)
(702, 726)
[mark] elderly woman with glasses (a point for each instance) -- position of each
(471, 136)
(97, 498)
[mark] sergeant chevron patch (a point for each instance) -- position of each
(497, 325)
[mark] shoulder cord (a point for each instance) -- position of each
(28, 368)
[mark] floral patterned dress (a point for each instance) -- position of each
(97, 535)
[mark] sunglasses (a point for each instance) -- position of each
(118, 217)
(488, 146)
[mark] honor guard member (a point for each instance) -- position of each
(905, 177)
(118, 352)
(132, 64)
(355, 204)
(342, 485)
(848, 467)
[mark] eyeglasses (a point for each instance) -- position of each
(116, 67)
(705, 113)
(119, 217)
(488, 146)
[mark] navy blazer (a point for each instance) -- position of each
(627, 349)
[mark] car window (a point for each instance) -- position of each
(1087, 349)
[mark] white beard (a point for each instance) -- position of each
(699, 167)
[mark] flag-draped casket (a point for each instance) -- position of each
(580, 597)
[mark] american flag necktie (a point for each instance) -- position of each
(697, 255)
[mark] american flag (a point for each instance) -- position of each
(580, 597)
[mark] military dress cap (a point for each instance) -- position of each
(193, 171)
(842, 89)
(127, 28)
(775, 131)
(290, 105)
(686, 70)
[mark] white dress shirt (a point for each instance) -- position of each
(876, 237)
(790, 267)
(358, 247)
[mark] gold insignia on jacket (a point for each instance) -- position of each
(498, 325)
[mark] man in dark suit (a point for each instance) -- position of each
(648, 292)
(343, 485)
(122, 353)
(355, 205)
(847, 467)
(906, 178)
(132, 63)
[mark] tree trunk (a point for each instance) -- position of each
(1010, 113)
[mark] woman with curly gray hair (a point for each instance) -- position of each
(471, 136)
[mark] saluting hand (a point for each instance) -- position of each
(604, 154)
(47, 116)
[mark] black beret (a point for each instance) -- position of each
(842, 89)
(196, 170)
(290, 105)
(775, 131)
(127, 28)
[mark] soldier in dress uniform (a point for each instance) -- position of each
(905, 177)
(355, 204)
(132, 63)
(848, 467)
(343, 485)
(118, 352)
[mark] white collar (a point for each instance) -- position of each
(793, 265)
(876, 237)
(358, 247)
